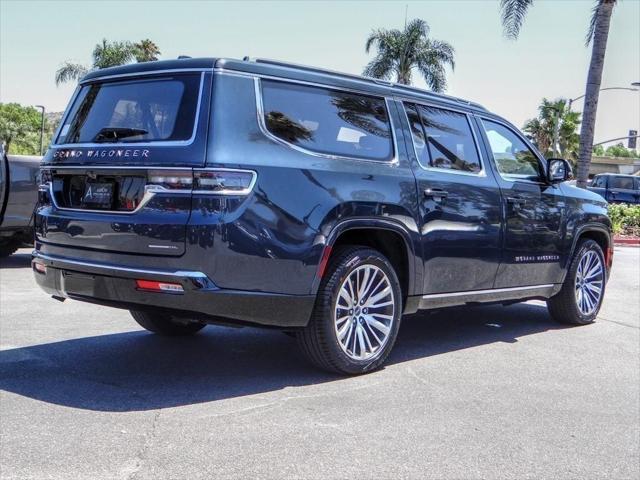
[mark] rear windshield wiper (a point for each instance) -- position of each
(115, 134)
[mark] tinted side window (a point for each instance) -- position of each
(449, 141)
(600, 182)
(623, 183)
(327, 121)
(512, 156)
(417, 132)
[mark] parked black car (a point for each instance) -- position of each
(616, 188)
(257, 192)
(19, 180)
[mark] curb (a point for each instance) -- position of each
(627, 242)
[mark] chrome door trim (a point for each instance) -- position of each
(495, 295)
(486, 292)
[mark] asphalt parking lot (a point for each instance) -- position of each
(485, 392)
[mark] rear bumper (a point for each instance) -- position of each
(115, 286)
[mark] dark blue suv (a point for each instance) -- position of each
(257, 192)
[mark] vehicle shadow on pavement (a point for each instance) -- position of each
(17, 260)
(137, 371)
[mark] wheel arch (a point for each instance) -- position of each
(599, 234)
(388, 237)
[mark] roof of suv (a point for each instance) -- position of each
(277, 68)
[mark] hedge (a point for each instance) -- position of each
(625, 219)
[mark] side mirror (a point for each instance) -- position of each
(558, 170)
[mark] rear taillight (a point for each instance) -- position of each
(40, 267)
(171, 179)
(223, 181)
(153, 286)
(220, 181)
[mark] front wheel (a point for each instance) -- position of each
(164, 324)
(357, 314)
(580, 298)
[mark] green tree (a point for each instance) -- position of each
(554, 130)
(619, 150)
(20, 129)
(146, 51)
(109, 54)
(399, 52)
(513, 14)
(598, 150)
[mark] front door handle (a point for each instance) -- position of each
(437, 194)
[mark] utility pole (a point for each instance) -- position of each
(41, 129)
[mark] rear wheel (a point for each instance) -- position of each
(357, 314)
(164, 324)
(580, 298)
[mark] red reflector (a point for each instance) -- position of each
(39, 267)
(324, 259)
(159, 286)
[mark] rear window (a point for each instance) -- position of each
(143, 110)
(327, 121)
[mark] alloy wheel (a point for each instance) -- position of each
(364, 312)
(589, 282)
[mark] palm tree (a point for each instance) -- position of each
(513, 14)
(400, 52)
(146, 51)
(109, 54)
(554, 130)
(70, 71)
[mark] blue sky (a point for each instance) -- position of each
(510, 78)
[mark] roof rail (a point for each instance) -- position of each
(377, 81)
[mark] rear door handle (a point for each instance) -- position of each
(437, 194)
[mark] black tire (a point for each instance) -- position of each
(165, 324)
(319, 339)
(8, 248)
(563, 306)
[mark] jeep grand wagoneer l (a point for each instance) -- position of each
(256, 192)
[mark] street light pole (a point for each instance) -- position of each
(634, 84)
(41, 129)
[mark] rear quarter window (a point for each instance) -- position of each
(327, 121)
(142, 110)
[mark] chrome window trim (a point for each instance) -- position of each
(429, 168)
(524, 140)
(158, 143)
(365, 84)
(486, 292)
(260, 113)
